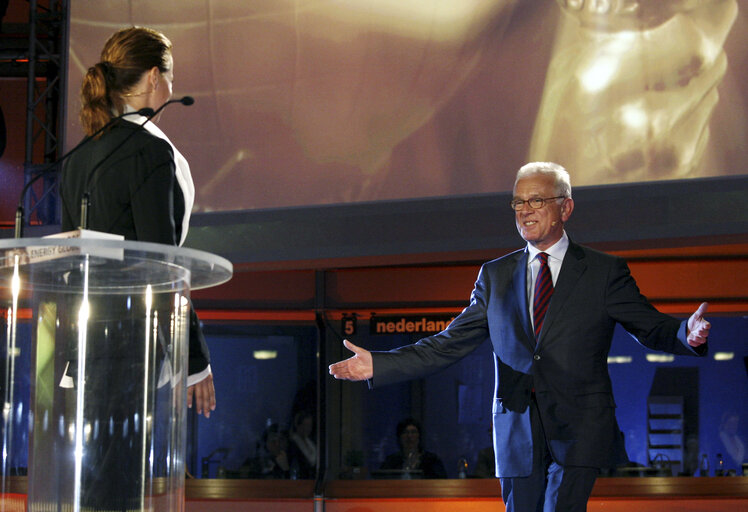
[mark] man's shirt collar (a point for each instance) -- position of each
(557, 250)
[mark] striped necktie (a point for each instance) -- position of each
(543, 292)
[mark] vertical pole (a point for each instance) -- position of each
(319, 307)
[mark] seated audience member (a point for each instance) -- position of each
(302, 450)
(412, 456)
(732, 445)
(271, 460)
(485, 466)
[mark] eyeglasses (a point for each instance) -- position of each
(535, 202)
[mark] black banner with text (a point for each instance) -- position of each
(409, 324)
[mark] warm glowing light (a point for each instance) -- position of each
(597, 76)
(619, 359)
(634, 116)
(84, 312)
(265, 354)
(148, 297)
(80, 402)
(724, 356)
(660, 358)
(602, 69)
(15, 281)
(439, 20)
(151, 335)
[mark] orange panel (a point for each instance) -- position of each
(256, 316)
(244, 505)
(266, 287)
(705, 279)
(668, 505)
(17, 502)
(676, 280)
(402, 285)
(12, 502)
(415, 505)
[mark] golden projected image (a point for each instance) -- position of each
(310, 102)
(630, 92)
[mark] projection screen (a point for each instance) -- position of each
(314, 102)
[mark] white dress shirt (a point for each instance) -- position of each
(556, 254)
(182, 169)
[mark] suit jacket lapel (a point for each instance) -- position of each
(572, 268)
(519, 282)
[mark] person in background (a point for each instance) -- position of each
(271, 461)
(732, 445)
(302, 449)
(485, 466)
(412, 456)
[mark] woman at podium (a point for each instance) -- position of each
(139, 185)
(136, 184)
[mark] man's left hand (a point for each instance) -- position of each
(698, 327)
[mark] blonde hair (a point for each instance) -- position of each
(127, 54)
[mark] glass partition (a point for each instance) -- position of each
(264, 425)
(681, 416)
(265, 378)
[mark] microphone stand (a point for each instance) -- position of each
(18, 231)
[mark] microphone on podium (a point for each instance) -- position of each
(184, 100)
(147, 112)
(90, 181)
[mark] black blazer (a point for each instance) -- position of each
(129, 174)
(567, 368)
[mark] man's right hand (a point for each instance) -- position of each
(358, 367)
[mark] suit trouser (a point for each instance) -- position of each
(551, 487)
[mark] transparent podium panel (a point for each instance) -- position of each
(95, 342)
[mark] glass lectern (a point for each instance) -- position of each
(94, 342)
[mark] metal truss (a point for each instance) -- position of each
(44, 59)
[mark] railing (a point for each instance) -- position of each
(652, 493)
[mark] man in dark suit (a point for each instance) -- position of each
(549, 311)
